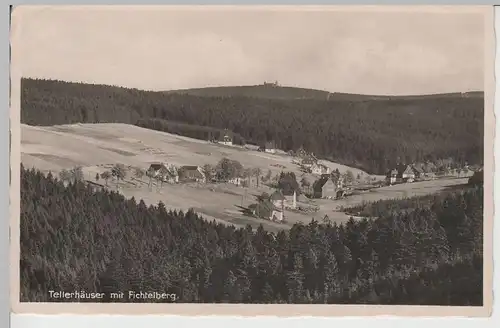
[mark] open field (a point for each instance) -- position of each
(96, 147)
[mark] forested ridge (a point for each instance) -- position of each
(75, 238)
(372, 135)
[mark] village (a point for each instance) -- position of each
(275, 197)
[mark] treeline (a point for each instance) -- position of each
(73, 238)
(372, 135)
(189, 130)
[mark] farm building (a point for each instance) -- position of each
(191, 174)
(391, 176)
(236, 181)
(325, 187)
(405, 173)
(308, 162)
(320, 169)
(270, 147)
(169, 174)
(227, 139)
(417, 171)
(266, 210)
(155, 169)
(278, 199)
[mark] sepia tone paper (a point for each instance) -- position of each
(28, 15)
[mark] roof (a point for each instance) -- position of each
(302, 198)
(277, 195)
(318, 184)
(401, 168)
(189, 168)
(417, 169)
(264, 208)
(156, 166)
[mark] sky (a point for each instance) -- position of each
(389, 52)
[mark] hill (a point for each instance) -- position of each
(372, 135)
(271, 91)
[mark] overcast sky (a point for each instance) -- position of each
(367, 52)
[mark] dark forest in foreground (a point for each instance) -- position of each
(370, 134)
(72, 238)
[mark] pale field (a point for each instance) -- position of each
(96, 147)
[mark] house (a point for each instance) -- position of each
(236, 181)
(189, 173)
(270, 147)
(278, 199)
(391, 176)
(417, 171)
(227, 140)
(320, 169)
(325, 187)
(405, 173)
(308, 162)
(265, 209)
(168, 173)
(155, 169)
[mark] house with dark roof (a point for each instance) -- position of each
(325, 187)
(418, 171)
(155, 169)
(278, 199)
(405, 173)
(167, 173)
(189, 173)
(265, 209)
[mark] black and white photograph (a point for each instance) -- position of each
(258, 155)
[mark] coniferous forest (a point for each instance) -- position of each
(370, 134)
(418, 251)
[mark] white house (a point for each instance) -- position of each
(320, 169)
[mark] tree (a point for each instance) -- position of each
(268, 176)
(287, 183)
(119, 172)
(476, 179)
(348, 177)
(209, 172)
(106, 175)
(257, 172)
(247, 175)
(76, 173)
(228, 169)
(305, 183)
(163, 174)
(138, 173)
(65, 175)
(335, 176)
(150, 173)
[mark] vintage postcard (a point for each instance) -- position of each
(252, 160)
